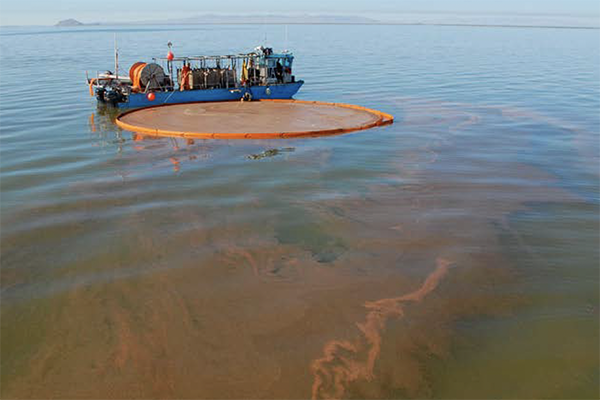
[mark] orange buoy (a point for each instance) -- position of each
(151, 96)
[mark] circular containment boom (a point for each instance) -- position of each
(264, 119)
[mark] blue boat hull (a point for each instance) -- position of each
(280, 91)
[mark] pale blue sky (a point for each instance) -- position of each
(47, 12)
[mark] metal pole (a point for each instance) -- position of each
(116, 58)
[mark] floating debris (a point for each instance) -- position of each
(271, 153)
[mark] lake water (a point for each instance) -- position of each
(453, 254)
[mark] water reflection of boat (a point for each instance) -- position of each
(171, 152)
(258, 75)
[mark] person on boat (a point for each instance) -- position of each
(184, 83)
(244, 77)
(279, 72)
(253, 73)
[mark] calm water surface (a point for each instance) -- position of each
(453, 254)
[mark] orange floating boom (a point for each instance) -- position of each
(265, 119)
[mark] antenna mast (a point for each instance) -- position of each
(265, 29)
(116, 58)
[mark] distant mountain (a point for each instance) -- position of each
(395, 19)
(69, 22)
(265, 19)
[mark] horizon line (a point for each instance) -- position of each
(150, 23)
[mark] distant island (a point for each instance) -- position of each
(439, 19)
(69, 22)
(216, 19)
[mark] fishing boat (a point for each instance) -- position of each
(260, 74)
